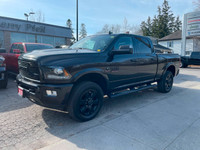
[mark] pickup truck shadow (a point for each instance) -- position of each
(9, 99)
(60, 125)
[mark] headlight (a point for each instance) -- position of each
(58, 73)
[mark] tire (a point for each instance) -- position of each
(166, 82)
(3, 83)
(85, 101)
(183, 65)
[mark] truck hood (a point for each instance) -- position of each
(61, 56)
(37, 54)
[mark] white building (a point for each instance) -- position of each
(174, 41)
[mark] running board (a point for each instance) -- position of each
(131, 90)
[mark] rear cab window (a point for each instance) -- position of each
(17, 46)
(141, 45)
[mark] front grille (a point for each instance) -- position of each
(29, 69)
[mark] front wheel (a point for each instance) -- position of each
(166, 82)
(3, 83)
(183, 65)
(86, 101)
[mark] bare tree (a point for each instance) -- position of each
(197, 5)
(105, 29)
(125, 26)
(39, 16)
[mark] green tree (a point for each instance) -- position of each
(69, 25)
(83, 32)
(163, 24)
(178, 24)
(146, 27)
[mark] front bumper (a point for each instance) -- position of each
(36, 92)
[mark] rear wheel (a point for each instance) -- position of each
(166, 82)
(86, 101)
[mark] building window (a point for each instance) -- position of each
(59, 41)
(48, 40)
(55, 41)
(1, 40)
(170, 44)
(21, 37)
(31, 38)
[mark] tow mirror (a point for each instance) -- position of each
(124, 49)
(16, 51)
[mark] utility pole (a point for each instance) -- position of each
(76, 20)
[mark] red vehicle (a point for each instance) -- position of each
(11, 58)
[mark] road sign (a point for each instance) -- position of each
(191, 28)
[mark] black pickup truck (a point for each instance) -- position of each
(193, 59)
(3, 73)
(77, 79)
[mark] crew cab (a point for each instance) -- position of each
(193, 59)
(3, 73)
(76, 79)
(11, 58)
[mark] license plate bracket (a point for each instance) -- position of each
(20, 91)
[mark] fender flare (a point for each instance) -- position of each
(166, 68)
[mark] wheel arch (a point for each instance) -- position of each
(170, 67)
(96, 77)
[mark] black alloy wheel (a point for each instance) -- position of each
(85, 101)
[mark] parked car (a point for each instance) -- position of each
(3, 73)
(11, 58)
(77, 79)
(193, 59)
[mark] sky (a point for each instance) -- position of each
(94, 13)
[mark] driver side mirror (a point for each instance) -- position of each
(124, 49)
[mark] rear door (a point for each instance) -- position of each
(145, 59)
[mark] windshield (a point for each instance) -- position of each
(32, 47)
(95, 43)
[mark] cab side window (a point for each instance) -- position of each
(142, 45)
(123, 41)
(14, 46)
(21, 48)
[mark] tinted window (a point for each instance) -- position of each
(32, 47)
(195, 55)
(21, 48)
(14, 46)
(141, 45)
(123, 41)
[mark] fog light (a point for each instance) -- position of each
(51, 93)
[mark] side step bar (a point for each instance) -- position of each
(131, 90)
